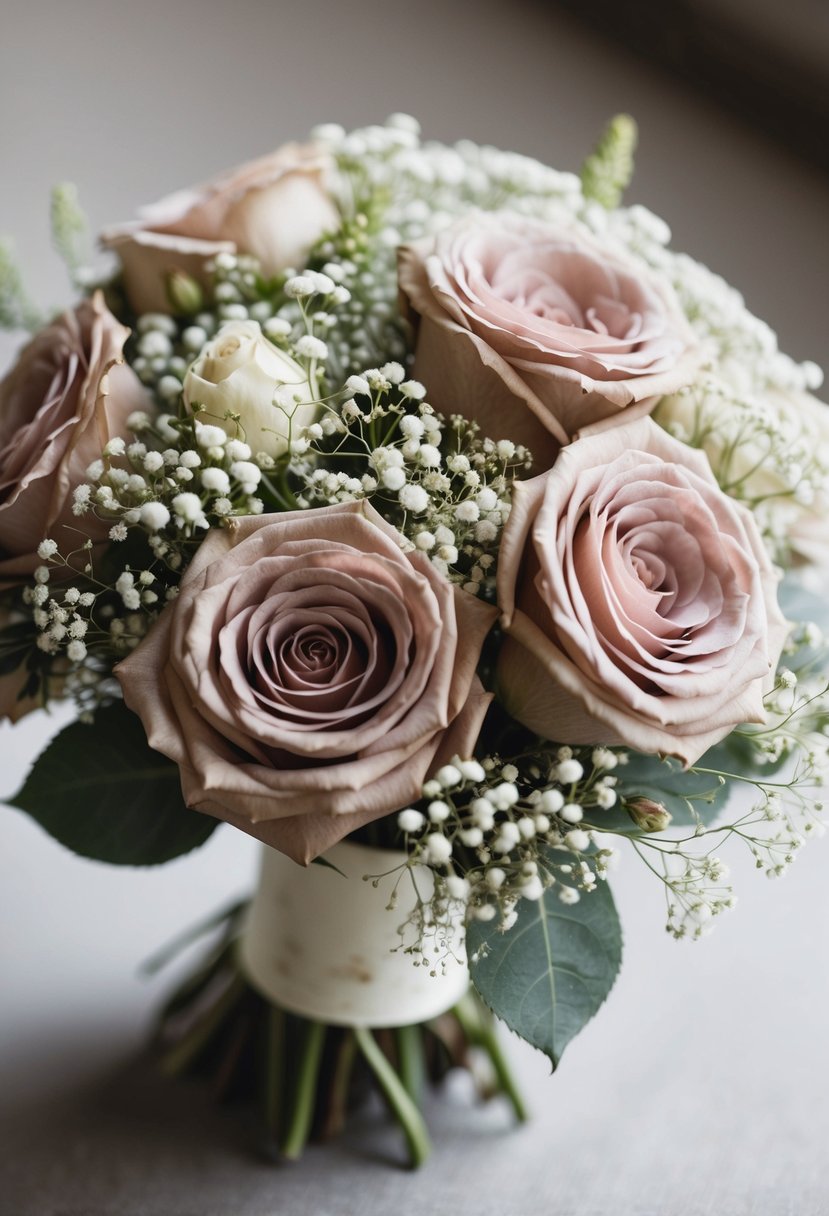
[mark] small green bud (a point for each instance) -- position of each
(648, 815)
(606, 173)
(184, 293)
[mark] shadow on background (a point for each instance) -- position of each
(767, 62)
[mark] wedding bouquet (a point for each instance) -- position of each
(418, 511)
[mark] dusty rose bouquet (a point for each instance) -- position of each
(417, 510)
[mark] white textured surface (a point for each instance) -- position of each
(702, 1087)
(322, 944)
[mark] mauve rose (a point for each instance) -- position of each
(639, 600)
(68, 394)
(537, 331)
(309, 675)
(275, 208)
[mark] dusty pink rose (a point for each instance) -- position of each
(68, 394)
(639, 601)
(274, 208)
(537, 331)
(309, 675)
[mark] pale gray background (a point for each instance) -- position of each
(702, 1087)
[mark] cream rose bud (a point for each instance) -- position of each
(274, 208)
(638, 599)
(310, 675)
(238, 372)
(537, 331)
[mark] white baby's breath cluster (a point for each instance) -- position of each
(786, 805)
(442, 485)
(157, 496)
(766, 452)
(496, 833)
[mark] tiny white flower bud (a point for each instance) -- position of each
(414, 498)
(532, 888)
(569, 772)
(245, 472)
(438, 849)
(411, 427)
(215, 480)
(457, 886)
(577, 840)
(552, 801)
(439, 811)
(188, 506)
(410, 820)
(471, 770)
(413, 389)
(154, 515)
(393, 479)
(448, 776)
(208, 437)
(310, 347)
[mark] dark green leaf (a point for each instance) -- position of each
(549, 974)
(104, 793)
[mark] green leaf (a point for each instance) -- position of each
(104, 793)
(548, 975)
(690, 796)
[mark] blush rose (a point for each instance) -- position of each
(274, 208)
(68, 394)
(537, 331)
(639, 601)
(309, 675)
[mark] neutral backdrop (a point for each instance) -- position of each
(702, 1086)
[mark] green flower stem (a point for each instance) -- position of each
(191, 1046)
(410, 1054)
(336, 1101)
(480, 1028)
(274, 1073)
(194, 984)
(302, 1099)
(405, 1111)
(227, 917)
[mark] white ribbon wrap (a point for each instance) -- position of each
(322, 944)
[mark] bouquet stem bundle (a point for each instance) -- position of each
(306, 1076)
